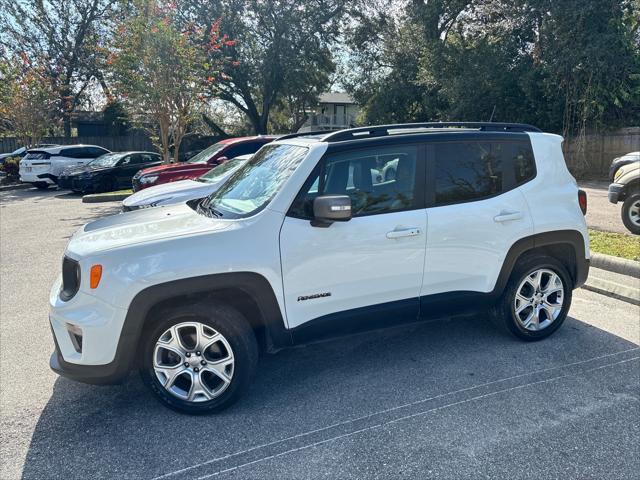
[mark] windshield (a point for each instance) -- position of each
(106, 160)
(206, 154)
(222, 170)
(252, 187)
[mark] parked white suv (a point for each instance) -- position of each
(42, 166)
(304, 242)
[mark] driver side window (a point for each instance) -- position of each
(379, 180)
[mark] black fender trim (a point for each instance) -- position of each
(197, 289)
(572, 238)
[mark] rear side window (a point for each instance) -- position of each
(37, 156)
(71, 152)
(242, 149)
(471, 170)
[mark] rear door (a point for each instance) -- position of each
(366, 272)
(475, 210)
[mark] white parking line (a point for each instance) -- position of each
(385, 411)
(407, 417)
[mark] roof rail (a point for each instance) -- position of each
(384, 130)
(305, 134)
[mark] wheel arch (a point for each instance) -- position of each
(249, 293)
(567, 246)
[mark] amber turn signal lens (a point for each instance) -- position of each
(96, 275)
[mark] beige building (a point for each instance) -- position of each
(335, 110)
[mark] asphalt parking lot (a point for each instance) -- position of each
(453, 398)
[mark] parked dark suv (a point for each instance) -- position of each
(108, 172)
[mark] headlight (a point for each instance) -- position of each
(148, 179)
(618, 174)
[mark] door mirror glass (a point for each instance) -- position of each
(331, 208)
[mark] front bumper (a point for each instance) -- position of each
(82, 185)
(109, 374)
(64, 182)
(103, 356)
(616, 192)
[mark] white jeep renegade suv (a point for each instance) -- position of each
(304, 242)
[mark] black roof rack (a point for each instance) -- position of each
(306, 134)
(384, 130)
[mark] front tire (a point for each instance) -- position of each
(199, 359)
(536, 300)
(631, 213)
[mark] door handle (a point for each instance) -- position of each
(403, 232)
(507, 216)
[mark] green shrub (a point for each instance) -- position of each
(11, 166)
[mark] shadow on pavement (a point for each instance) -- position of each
(122, 432)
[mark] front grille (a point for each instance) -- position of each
(70, 279)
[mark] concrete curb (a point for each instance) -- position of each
(104, 197)
(615, 264)
(598, 283)
(17, 186)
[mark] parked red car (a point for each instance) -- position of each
(201, 163)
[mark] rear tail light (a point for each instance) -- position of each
(582, 200)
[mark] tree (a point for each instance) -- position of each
(569, 67)
(61, 37)
(161, 73)
(281, 50)
(26, 100)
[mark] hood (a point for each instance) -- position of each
(84, 168)
(171, 167)
(628, 169)
(141, 226)
(181, 190)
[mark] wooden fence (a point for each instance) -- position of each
(591, 155)
(115, 144)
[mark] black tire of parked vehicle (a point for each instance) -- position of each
(626, 207)
(226, 321)
(503, 312)
(41, 185)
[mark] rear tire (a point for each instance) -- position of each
(631, 213)
(536, 300)
(41, 185)
(211, 346)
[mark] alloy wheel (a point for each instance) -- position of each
(539, 299)
(634, 213)
(193, 362)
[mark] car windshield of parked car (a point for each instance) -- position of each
(219, 172)
(206, 154)
(106, 160)
(252, 187)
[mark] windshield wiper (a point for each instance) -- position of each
(214, 212)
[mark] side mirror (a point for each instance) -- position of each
(221, 160)
(331, 208)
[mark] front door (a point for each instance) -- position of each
(366, 272)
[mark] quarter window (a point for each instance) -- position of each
(377, 180)
(468, 171)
